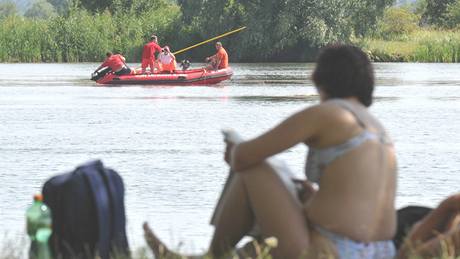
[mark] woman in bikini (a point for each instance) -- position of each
(350, 157)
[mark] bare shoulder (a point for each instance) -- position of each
(328, 114)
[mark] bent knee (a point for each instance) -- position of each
(262, 168)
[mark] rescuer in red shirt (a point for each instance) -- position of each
(115, 63)
(148, 54)
(220, 59)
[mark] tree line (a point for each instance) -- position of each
(277, 30)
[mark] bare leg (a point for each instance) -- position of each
(277, 212)
(256, 192)
(260, 192)
(235, 219)
(233, 223)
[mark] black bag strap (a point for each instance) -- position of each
(101, 197)
(116, 191)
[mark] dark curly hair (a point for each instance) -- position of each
(344, 71)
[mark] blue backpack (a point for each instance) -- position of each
(88, 213)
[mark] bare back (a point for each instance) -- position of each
(357, 189)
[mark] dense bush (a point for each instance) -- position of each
(397, 21)
(453, 15)
(436, 11)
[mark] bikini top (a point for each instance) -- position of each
(319, 158)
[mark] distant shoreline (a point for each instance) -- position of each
(421, 46)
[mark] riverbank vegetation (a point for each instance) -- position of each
(427, 31)
(84, 30)
(79, 35)
(292, 30)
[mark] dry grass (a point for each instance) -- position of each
(14, 248)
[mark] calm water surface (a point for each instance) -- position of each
(166, 141)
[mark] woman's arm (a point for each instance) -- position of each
(433, 248)
(300, 127)
(437, 221)
(427, 236)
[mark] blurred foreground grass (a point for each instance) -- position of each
(11, 248)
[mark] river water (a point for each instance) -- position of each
(166, 143)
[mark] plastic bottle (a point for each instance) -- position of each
(38, 218)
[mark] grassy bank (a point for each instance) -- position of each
(422, 45)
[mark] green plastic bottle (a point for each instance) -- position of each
(38, 217)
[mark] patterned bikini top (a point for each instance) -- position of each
(319, 158)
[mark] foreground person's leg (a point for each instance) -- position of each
(276, 211)
(234, 220)
(256, 192)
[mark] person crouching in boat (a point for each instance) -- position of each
(115, 63)
(148, 54)
(167, 60)
(218, 60)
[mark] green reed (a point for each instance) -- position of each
(81, 36)
(424, 45)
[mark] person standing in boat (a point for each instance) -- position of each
(115, 63)
(148, 54)
(218, 60)
(167, 60)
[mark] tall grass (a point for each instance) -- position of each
(424, 45)
(81, 36)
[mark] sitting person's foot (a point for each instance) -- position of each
(159, 249)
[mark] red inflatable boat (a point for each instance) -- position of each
(179, 77)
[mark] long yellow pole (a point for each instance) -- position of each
(206, 41)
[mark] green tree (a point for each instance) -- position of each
(453, 15)
(7, 8)
(436, 11)
(281, 30)
(40, 9)
(419, 7)
(95, 6)
(397, 21)
(61, 6)
(365, 13)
